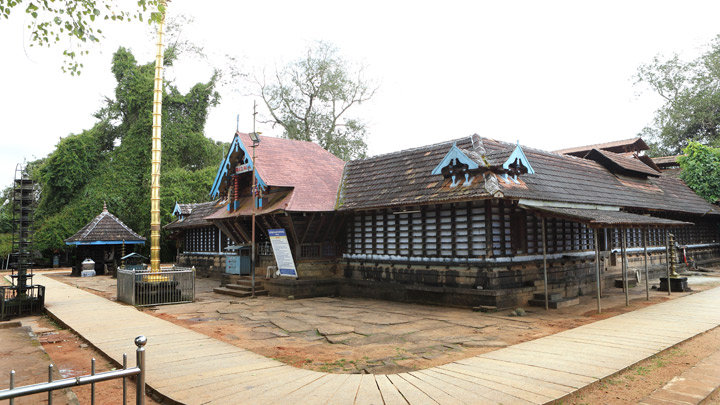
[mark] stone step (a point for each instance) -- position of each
(248, 282)
(551, 296)
(238, 293)
(561, 303)
(245, 287)
(632, 283)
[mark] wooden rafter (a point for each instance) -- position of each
(229, 231)
(323, 217)
(293, 234)
(307, 228)
(241, 230)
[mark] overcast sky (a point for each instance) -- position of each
(549, 74)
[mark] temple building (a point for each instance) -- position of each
(199, 243)
(459, 222)
(103, 240)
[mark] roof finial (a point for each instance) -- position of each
(104, 206)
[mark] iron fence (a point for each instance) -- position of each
(16, 302)
(144, 287)
(50, 386)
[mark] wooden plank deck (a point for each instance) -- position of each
(189, 367)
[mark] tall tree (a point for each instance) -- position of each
(701, 170)
(111, 161)
(310, 98)
(78, 20)
(691, 93)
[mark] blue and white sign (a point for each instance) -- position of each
(283, 254)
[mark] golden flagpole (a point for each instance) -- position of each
(156, 150)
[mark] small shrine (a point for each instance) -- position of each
(104, 240)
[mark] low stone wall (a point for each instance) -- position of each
(492, 284)
(208, 266)
(303, 288)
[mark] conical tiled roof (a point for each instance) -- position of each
(105, 228)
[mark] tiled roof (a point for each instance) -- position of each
(105, 227)
(665, 162)
(619, 163)
(273, 202)
(312, 172)
(625, 145)
(403, 178)
(184, 209)
(602, 217)
(195, 216)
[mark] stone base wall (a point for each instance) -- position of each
(303, 288)
(208, 266)
(500, 285)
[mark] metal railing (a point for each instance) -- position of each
(50, 386)
(173, 285)
(14, 302)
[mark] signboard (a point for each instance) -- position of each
(283, 254)
(243, 168)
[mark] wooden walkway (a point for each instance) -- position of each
(191, 368)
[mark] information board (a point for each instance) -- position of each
(283, 254)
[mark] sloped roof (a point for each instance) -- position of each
(106, 229)
(312, 172)
(625, 145)
(183, 209)
(195, 216)
(602, 218)
(404, 178)
(616, 162)
(665, 162)
(273, 202)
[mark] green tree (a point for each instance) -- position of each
(310, 98)
(701, 170)
(691, 94)
(78, 20)
(111, 161)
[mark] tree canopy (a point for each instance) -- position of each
(110, 162)
(310, 99)
(78, 20)
(691, 94)
(701, 170)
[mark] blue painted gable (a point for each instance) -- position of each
(458, 156)
(224, 170)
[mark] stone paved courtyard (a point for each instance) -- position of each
(353, 335)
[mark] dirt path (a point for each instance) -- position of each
(70, 356)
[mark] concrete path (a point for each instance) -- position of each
(192, 368)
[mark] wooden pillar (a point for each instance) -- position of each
(597, 266)
(545, 264)
(667, 259)
(624, 266)
(647, 273)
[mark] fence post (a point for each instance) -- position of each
(140, 342)
(50, 379)
(12, 385)
(92, 386)
(124, 380)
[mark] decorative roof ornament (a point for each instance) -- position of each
(516, 163)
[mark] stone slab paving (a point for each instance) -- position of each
(691, 387)
(189, 367)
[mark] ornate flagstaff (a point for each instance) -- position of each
(156, 151)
